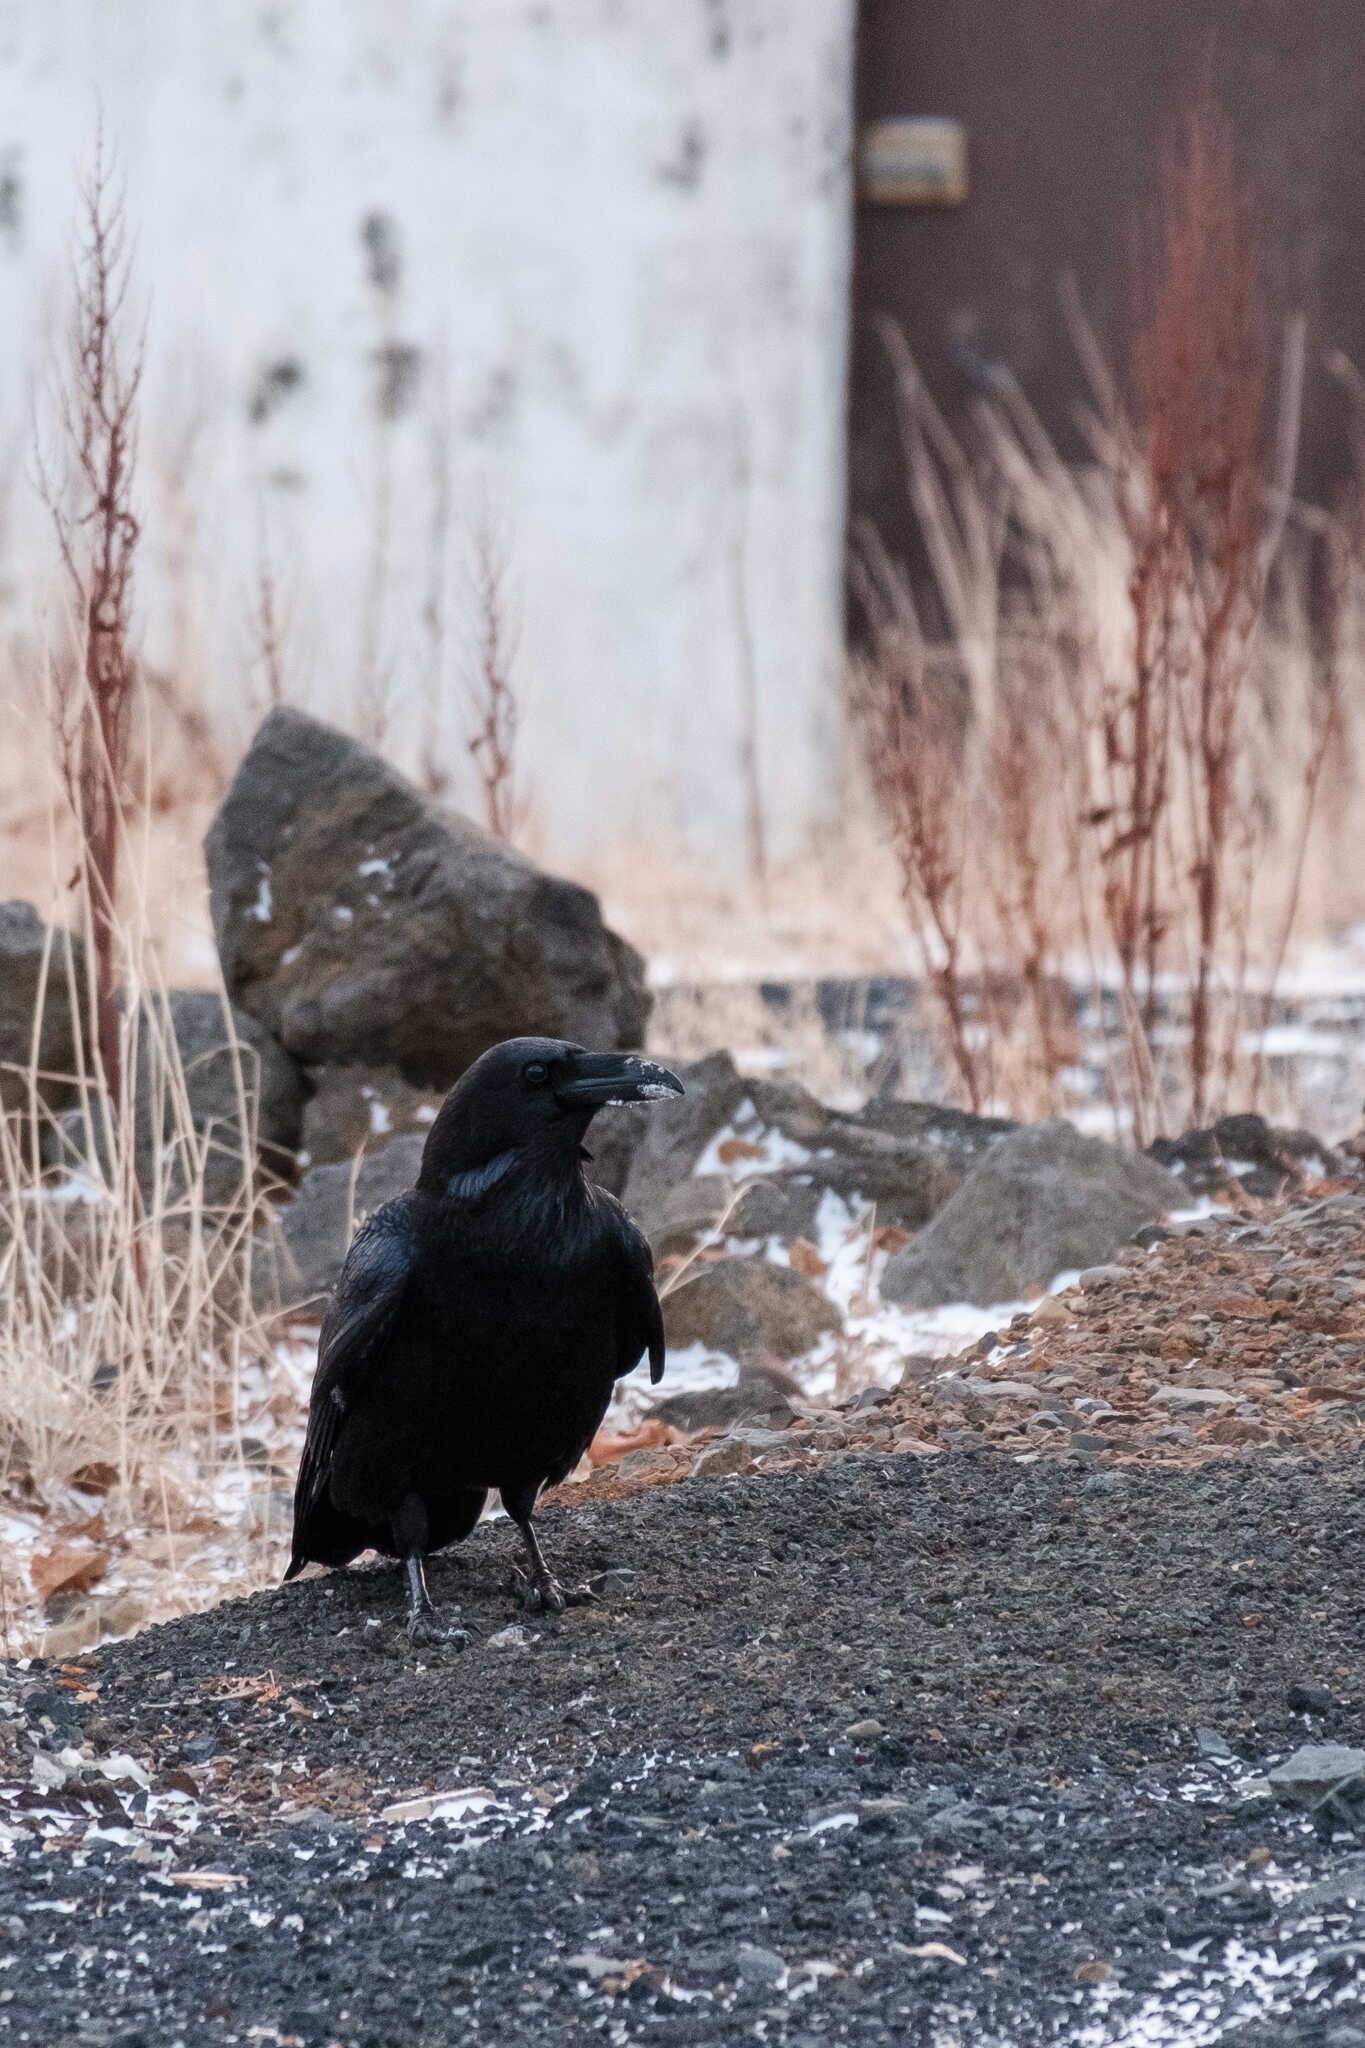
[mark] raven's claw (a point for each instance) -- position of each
(543, 1593)
(425, 1629)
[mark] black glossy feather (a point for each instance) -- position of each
(480, 1321)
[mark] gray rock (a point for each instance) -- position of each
(760, 1393)
(1244, 1152)
(1104, 1276)
(230, 1065)
(296, 1260)
(358, 1109)
(748, 1306)
(1193, 1400)
(958, 1137)
(902, 1160)
(23, 937)
(1043, 1199)
(1319, 1770)
(761, 1967)
(668, 1138)
(359, 924)
(692, 1210)
(991, 1392)
(723, 1458)
(783, 1206)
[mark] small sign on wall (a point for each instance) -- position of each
(913, 160)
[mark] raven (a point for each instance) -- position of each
(479, 1325)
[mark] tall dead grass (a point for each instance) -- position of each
(126, 1317)
(1110, 769)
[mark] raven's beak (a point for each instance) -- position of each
(595, 1079)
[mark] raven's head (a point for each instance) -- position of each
(532, 1095)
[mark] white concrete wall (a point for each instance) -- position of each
(622, 246)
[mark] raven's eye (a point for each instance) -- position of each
(537, 1073)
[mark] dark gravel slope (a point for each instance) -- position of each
(941, 1751)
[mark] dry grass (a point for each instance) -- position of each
(1115, 768)
(132, 1363)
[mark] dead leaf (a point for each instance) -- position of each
(207, 1880)
(890, 1238)
(1093, 1973)
(806, 1258)
(263, 1688)
(95, 1478)
(67, 1568)
(730, 1150)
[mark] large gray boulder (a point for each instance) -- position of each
(1042, 1200)
(359, 924)
(23, 940)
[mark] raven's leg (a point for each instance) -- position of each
(542, 1591)
(409, 1527)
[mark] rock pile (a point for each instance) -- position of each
(372, 945)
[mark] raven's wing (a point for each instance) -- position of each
(639, 1318)
(363, 1311)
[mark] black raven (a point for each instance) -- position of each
(479, 1324)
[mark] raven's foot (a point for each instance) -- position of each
(425, 1629)
(541, 1592)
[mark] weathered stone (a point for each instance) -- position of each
(785, 1149)
(718, 1460)
(1319, 1770)
(1043, 1199)
(760, 1392)
(762, 1968)
(297, 1258)
(1246, 1153)
(1193, 1400)
(691, 1210)
(668, 1138)
(244, 1096)
(23, 943)
(359, 924)
(358, 1109)
(958, 1137)
(782, 1205)
(748, 1306)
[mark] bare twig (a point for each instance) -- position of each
(97, 533)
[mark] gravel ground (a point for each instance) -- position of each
(896, 1749)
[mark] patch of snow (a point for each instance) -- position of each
(263, 908)
(380, 1119)
(380, 866)
(290, 955)
(694, 1368)
(77, 1187)
(1299, 1041)
(772, 1148)
(343, 913)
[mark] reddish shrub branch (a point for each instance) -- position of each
(97, 534)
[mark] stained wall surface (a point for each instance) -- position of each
(570, 272)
